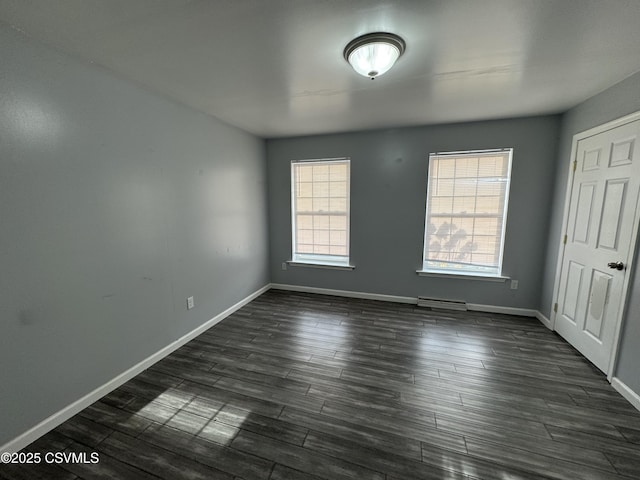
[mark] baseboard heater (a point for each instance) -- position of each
(442, 304)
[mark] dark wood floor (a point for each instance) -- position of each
(297, 386)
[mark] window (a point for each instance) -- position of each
(320, 211)
(467, 195)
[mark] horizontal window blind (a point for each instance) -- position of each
(320, 210)
(467, 197)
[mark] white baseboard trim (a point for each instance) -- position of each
(544, 320)
(69, 411)
(344, 293)
(624, 390)
(524, 312)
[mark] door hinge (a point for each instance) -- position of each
(575, 165)
(555, 307)
(564, 240)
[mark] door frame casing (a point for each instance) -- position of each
(565, 225)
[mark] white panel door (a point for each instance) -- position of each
(598, 246)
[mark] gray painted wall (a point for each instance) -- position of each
(115, 205)
(388, 191)
(619, 100)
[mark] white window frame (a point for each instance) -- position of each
(496, 274)
(320, 260)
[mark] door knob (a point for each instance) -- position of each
(616, 265)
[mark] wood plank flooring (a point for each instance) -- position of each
(300, 386)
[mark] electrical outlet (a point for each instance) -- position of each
(190, 303)
(284, 265)
(514, 284)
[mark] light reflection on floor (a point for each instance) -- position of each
(320, 330)
(220, 426)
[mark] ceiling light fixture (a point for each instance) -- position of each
(373, 54)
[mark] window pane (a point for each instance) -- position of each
(489, 187)
(305, 189)
(466, 207)
(338, 205)
(441, 205)
(338, 173)
(305, 173)
(305, 236)
(338, 237)
(466, 187)
(320, 194)
(443, 187)
(305, 248)
(320, 222)
(446, 167)
(320, 189)
(305, 205)
(338, 222)
(466, 167)
(338, 189)
(304, 221)
(321, 173)
(489, 205)
(321, 237)
(320, 204)
(321, 249)
(464, 204)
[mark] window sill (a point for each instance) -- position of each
(320, 265)
(463, 276)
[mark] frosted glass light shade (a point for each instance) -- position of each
(374, 54)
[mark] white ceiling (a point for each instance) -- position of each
(275, 67)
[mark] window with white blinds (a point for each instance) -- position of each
(320, 211)
(467, 196)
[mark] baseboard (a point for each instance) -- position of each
(345, 293)
(624, 390)
(544, 320)
(524, 312)
(521, 312)
(66, 413)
